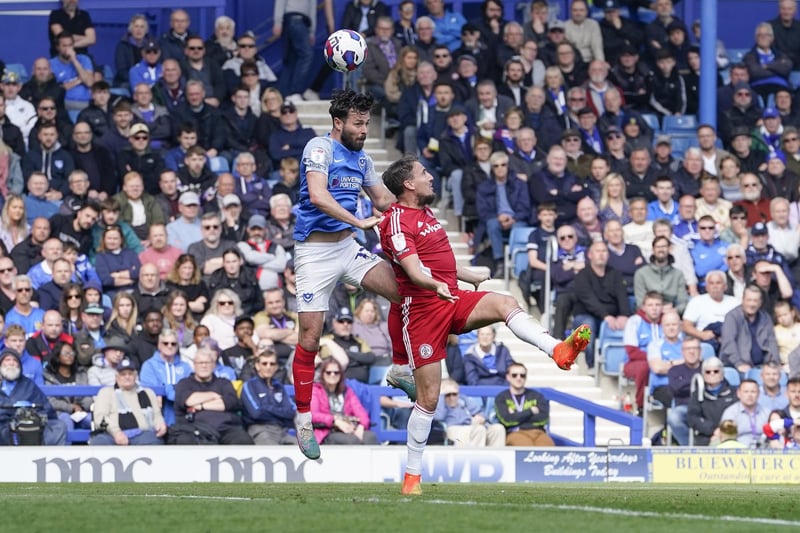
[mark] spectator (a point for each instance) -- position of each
(8, 271)
(89, 340)
(186, 229)
(208, 251)
(383, 53)
(774, 284)
(14, 227)
(74, 71)
(95, 160)
(124, 318)
(155, 117)
(568, 261)
(106, 361)
(268, 410)
(664, 206)
(725, 435)
(117, 266)
(640, 330)
(487, 109)
(369, 326)
(663, 161)
(539, 240)
(533, 68)
(137, 207)
(748, 336)
(109, 216)
(246, 51)
(222, 46)
(128, 414)
(755, 205)
(237, 277)
(668, 95)
(639, 231)
(98, 112)
(178, 317)
(657, 32)
(600, 295)
(207, 404)
(613, 203)
(707, 403)
(404, 29)
(524, 412)
(662, 277)
(709, 251)
(187, 277)
(557, 184)
(486, 361)
(128, 51)
(70, 308)
(618, 33)
(360, 356)
(680, 378)
(711, 204)
(169, 90)
(239, 121)
(165, 369)
(168, 196)
(772, 395)
(787, 332)
(50, 292)
(584, 32)
(785, 30)
(280, 224)
(768, 67)
(78, 193)
(14, 338)
(744, 113)
(43, 343)
(760, 249)
(160, 253)
(18, 388)
(23, 313)
(18, 110)
(145, 341)
(150, 292)
(573, 69)
(42, 272)
(465, 424)
(50, 159)
(63, 369)
(447, 24)
(640, 177)
(338, 415)
(234, 227)
(706, 312)
(203, 116)
(277, 324)
(624, 258)
(747, 413)
(224, 308)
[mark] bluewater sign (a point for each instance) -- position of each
(583, 464)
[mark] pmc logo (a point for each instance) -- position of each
(91, 469)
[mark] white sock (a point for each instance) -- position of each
(302, 419)
(400, 369)
(419, 427)
(530, 330)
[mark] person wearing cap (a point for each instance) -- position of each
(615, 159)
(268, 258)
(478, 57)
(15, 387)
(186, 229)
(631, 76)
(238, 277)
(268, 410)
(107, 358)
(617, 31)
(358, 353)
(656, 32)
(126, 413)
(18, 111)
(149, 69)
(760, 249)
(741, 146)
(572, 141)
(234, 225)
(574, 70)
(10, 133)
(768, 67)
(777, 180)
(290, 137)
(744, 112)
(555, 36)
(465, 421)
(141, 158)
(668, 96)
(770, 131)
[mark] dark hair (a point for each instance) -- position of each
(737, 210)
(64, 35)
(343, 101)
(47, 124)
(110, 204)
(232, 250)
(332, 361)
(548, 206)
(187, 127)
(54, 363)
(101, 85)
(62, 305)
(91, 204)
(398, 173)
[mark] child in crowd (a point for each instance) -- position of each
(787, 331)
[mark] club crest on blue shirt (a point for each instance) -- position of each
(307, 297)
(362, 163)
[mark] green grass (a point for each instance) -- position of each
(380, 508)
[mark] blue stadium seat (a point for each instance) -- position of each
(73, 115)
(681, 124)
(609, 352)
(120, 91)
(680, 143)
(218, 165)
(794, 78)
(652, 120)
(108, 73)
(736, 54)
(732, 376)
(706, 351)
(516, 252)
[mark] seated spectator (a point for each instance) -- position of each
(726, 434)
(662, 355)
(767, 66)
(23, 313)
(150, 292)
(774, 285)
(117, 266)
(706, 312)
(186, 277)
(281, 222)
(208, 251)
(124, 318)
(14, 227)
(277, 324)
(579, 157)
(588, 226)
(289, 139)
(369, 326)
(358, 352)
(455, 152)
(44, 342)
(679, 250)
(195, 174)
(208, 406)
(18, 388)
(147, 69)
(239, 278)
(613, 202)
(166, 369)
(708, 252)
(89, 340)
(127, 413)
(239, 357)
(748, 335)
(178, 317)
(185, 229)
(787, 331)
(486, 361)
(710, 203)
(145, 342)
(784, 235)
(524, 412)
(63, 369)
(640, 330)
(138, 208)
(42, 272)
(40, 201)
(639, 231)
(49, 158)
(568, 261)
(662, 277)
(221, 45)
(268, 259)
(744, 113)
(663, 160)
(777, 180)
(600, 296)
(222, 312)
(624, 258)
(771, 395)
(168, 195)
(337, 413)
(175, 158)
(664, 206)
(14, 338)
(69, 67)
(234, 226)
(141, 157)
(253, 190)
(268, 411)
(668, 95)
(465, 423)
(110, 216)
(738, 234)
(679, 380)
(160, 253)
(95, 160)
(98, 113)
(706, 404)
(50, 292)
(205, 118)
(747, 413)
(106, 361)
(761, 250)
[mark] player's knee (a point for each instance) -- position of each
(507, 304)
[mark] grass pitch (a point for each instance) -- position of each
(379, 507)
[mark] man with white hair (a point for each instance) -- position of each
(705, 313)
(783, 235)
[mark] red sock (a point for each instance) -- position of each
(303, 373)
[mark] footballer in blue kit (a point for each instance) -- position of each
(334, 169)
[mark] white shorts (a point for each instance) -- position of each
(319, 266)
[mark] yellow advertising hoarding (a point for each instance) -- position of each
(725, 466)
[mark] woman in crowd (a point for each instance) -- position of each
(63, 369)
(613, 203)
(124, 317)
(177, 317)
(505, 136)
(14, 227)
(70, 308)
(186, 277)
(118, 267)
(225, 307)
(336, 412)
(403, 75)
(369, 326)
(729, 180)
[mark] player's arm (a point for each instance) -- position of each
(380, 196)
(323, 200)
(411, 265)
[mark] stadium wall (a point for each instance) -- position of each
(263, 464)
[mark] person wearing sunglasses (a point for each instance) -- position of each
(524, 412)
(23, 313)
(712, 395)
(268, 411)
(165, 369)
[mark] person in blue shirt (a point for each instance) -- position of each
(448, 24)
(165, 369)
(664, 206)
(74, 72)
(708, 252)
(148, 70)
(333, 171)
(31, 367)
(23, 313)
(268, 409)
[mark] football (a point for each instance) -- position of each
(345, 50)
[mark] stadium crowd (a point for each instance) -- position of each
(147, 218)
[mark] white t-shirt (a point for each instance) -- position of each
(703, 310)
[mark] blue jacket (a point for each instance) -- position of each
(140, 73)
(107, 262)
(461, 414)
(254, 194)
(265, 405)
(477, 371)
(546, 187)
(517, 197)
(158, 373)
(25, 390)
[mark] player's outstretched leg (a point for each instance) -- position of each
(566, 351)
(303, 373)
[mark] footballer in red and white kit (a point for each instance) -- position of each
(419, 326)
